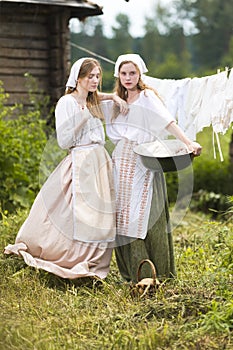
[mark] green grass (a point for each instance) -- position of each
(40, 311)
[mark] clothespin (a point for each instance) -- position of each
(227, 70)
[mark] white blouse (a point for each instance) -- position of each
(146, 120)
(68, 118)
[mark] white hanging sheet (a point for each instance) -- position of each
(197, 103)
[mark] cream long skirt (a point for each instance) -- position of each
(50, 238)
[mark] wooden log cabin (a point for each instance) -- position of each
(35, 39)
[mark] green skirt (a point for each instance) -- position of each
(157, 245)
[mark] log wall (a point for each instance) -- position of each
(33, 39)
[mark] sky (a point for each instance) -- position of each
(136, 10)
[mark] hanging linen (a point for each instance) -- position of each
(227, 111)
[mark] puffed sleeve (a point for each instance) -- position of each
(150, 115)
(158, 115)
(67, 119)
(107, 107)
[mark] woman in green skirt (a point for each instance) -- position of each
(143, 228)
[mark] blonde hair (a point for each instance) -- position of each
(93, 102)
(122, 92)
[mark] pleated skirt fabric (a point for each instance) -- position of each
(48, 238)
(157, 245)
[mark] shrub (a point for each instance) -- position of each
(212, 179)
(22, 139)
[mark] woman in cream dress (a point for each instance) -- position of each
(71, 225)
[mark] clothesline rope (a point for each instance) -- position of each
(92, 53)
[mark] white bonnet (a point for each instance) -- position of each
(133, 57)
(74, 72)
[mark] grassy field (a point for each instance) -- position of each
(194, 311)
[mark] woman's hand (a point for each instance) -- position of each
(195, 147)
(123, 105)
(175, 130)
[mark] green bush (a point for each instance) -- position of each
(22, 140)
(212, 178)
(211, 174)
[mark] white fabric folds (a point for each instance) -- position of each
(93, 195)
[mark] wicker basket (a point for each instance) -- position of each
(146, 286)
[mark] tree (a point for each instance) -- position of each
(122, 41)
(228, 57)
(151, 44)
(173, 67)
(212, 21)
(164, 45)
(91, 38)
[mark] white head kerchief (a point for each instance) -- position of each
(133, 57)
(74, 72)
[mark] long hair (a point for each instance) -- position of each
(93, 102)
(122, 92)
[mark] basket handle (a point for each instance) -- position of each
(152, 269)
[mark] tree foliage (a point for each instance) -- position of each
(212, 20)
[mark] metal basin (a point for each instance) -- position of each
(165, 155)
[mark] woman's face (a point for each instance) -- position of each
(91, 81)
(129, 76)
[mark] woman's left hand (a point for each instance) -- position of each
(123, 105)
